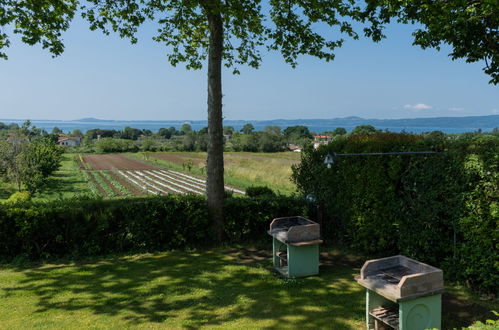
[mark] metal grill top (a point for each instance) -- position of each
(295, 230)
(399, 278)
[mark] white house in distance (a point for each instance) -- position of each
(321, 139)
(70, 141)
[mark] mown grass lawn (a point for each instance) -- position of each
(221, 288)
(67, 181)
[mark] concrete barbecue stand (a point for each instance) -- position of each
(295, 246)
(402, 293)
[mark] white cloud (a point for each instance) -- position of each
(456, 109)
(494, 111)
(417, 107)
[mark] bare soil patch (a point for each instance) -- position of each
(115, 162)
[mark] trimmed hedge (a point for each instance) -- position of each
(441, 209)
(85, 226)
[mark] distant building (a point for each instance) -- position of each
(70, 141)
(294, 148)
(321, 139)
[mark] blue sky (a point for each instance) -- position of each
(108, 78)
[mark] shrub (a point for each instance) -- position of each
(259, 191)
(19, 197)
(489, 324)
(115, 145)
(441, 209)
(88, 226)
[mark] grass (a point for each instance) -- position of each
(230, 288)
(242, 169)
(6, 189)
(66, 182)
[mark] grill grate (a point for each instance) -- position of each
(389, 316)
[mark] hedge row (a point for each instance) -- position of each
(441, 209)
(82, 227)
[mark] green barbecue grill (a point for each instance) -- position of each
(295, 242)
(402, 293)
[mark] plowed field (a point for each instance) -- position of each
(115, 162)
(118, 175)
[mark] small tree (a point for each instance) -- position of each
(339, 131)
(247, 128)
(29, 163)
(364, 130)
(77, 132)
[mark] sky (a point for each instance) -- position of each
(106, 77)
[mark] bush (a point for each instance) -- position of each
(115, 145)
(259, 191)
(249, 218)
(440, 209)
(489, 324)
(86, 226)
(19, 197)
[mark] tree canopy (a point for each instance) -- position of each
(37, 21)
(471, 28)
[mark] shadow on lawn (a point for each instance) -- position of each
(61, 183)
(6, 191)
(193, 290)
(212, 288)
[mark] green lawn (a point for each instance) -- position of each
(220, 288)
(6, 189)
(68, 181)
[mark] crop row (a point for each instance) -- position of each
(143, 182)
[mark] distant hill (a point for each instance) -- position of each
(413, 125)
(92, 120)
(484, 122)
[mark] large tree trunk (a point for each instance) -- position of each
(215, 161)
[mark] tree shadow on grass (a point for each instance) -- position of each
(232, 287)
(62, 183)
(6, 190)
(208, 289)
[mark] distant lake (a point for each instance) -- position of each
(68, 126)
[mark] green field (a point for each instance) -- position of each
(231, 288)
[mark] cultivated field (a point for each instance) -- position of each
(117, 175)
(242, 169)
(141, 174)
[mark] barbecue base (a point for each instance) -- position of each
(296, 259)
(416, 314)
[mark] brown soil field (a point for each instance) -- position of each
(136, 191)
(115, 162)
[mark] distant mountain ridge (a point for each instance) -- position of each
(413, 125)
(484, 122)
